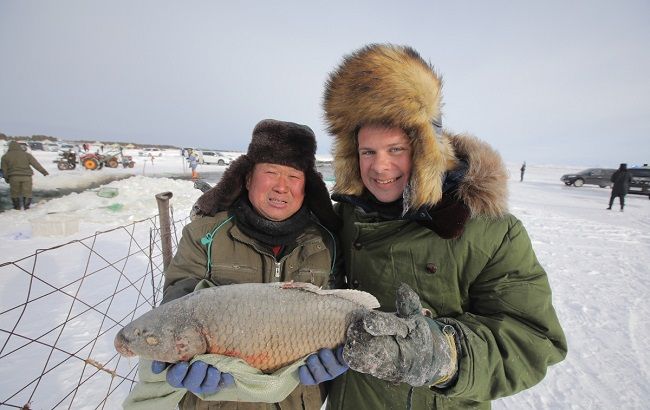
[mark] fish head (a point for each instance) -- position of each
(164, 340)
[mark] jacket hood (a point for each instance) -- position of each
(14, 146)
(484, 189)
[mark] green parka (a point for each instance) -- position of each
(17, 162)
(476, 271)
(237, 258)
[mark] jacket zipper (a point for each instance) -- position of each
(277, 269)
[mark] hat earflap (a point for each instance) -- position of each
(225, 193)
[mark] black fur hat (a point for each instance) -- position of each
(274, 142)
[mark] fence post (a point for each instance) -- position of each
(165, 226)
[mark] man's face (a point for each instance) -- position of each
(276, 191)
(384, 161)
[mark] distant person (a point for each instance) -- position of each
(621, 179)
(17, 171)
(151, 156)
(193, 159)
(523, 170)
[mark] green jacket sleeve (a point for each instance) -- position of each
(33, 162)
(187, 267)
(512, 334)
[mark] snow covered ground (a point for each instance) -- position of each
(598, 262)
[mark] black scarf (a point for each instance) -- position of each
(269, 232)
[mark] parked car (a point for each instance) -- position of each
(67, 147)
(214, 157)
(35, 145)
(640, 184)
(50, 146)
(592, 176)
(156, 152)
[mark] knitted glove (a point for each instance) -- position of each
(404, 347)
(198, 377)
(322, 366)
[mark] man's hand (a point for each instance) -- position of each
(322, 366)
(404, 347)
(198, 377)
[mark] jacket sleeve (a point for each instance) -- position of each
(4, 167)
(188, 266)
(33, 162)
(511, 333)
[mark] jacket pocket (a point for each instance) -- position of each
(228, 274)
(318, 277)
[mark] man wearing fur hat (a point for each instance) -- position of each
(428, 208)
(269, 219)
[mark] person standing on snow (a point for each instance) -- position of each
(193, 159)
(428, 208)
(621, 179)
(17, 171)
(523, 170)
(269, 219)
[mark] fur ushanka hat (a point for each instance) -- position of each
(275, 142)
(393, 86)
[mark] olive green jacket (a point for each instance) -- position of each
(17, 162)
(487, 283)
(237, 258)
(473, 267)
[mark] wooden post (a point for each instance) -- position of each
(165, 226)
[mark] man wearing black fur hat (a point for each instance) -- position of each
(269, 219)
(424, 207)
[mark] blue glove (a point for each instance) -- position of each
(198, 377)
(322, 366)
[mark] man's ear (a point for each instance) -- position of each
(248, 179)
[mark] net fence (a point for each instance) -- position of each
(61, 308)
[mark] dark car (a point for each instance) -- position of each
(640, 184)
(35, 145)
(593, 176)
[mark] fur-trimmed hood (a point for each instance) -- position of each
(484, 189)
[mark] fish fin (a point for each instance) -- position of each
(364, 299)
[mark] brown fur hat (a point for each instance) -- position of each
(274, 142)
(388, 85)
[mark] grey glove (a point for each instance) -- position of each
(403, 347)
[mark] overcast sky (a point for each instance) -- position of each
(548, 82)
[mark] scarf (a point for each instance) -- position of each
(268, 232)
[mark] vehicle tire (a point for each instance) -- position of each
(567, 183)
(62, 166)
(72, 166)
(91, 164)
(221, 162)
(112, 163)
(579, 182)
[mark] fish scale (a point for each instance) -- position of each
(269, 325)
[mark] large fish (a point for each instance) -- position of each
(269, 325)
